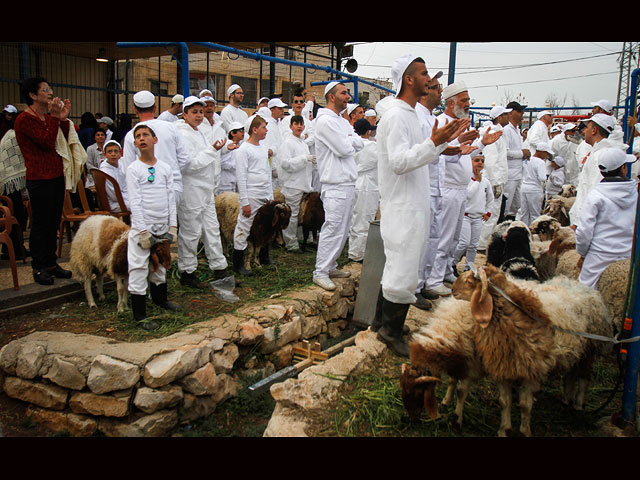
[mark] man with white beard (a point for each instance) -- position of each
(458, 174)
(403, 176)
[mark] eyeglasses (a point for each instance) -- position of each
(298, 101)
(47, 89)
(152, 171)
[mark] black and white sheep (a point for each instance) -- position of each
(510, 250)
(100, 247)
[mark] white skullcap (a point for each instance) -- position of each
(263, 98)
(111, 142)
(372, 113)
(610, 159)
(205, 92)
(232, 89)
(330, 85)
(497, 111)
(247, 124)
(144, 99)
(453, 89)
(399, 67)
(192, 100)
(603, 104)
(604, 120)
(276, 102)
(545, 147)
(177, 99)
(207, 98)
(543, 113)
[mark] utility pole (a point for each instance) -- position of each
(629, 60)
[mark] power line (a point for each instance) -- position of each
(541, 81)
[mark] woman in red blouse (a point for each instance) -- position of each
(36, 131)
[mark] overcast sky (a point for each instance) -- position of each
(578, 72)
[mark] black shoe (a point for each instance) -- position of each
(219, 274)
(393, 317)
(264, 258)
(159, 297)
(238, 263)
(376, 323)
(428, 294)
(422, 303)
(190, 280)
(42, 277)
(139, 310)
(59, 272)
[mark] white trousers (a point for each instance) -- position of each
(487, 227)
(593, 266)
(451, 215)
(404, 234)
(195, 224)
(243, 225)
(530, 206)
(512, 191)
(338, 203)
(364, 211)
(292, 196)
(435, 204)
(469, 239)
(140, 272)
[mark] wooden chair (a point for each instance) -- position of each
(73, 216)
(16, 229)
(99, 179)
(5, 238)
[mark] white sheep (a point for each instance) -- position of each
(527, 342)
(227, 208)
(100, 247)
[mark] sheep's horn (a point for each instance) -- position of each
(427, 378)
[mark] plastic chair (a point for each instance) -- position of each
(99, 179)
(18, 229)
(5, 238)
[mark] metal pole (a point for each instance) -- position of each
(452, 62)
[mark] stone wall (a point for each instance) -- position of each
(87, 385)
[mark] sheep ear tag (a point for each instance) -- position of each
(481, 301)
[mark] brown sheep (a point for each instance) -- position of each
(311, 217)
(270, 219)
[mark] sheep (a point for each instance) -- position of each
(495, 247)
(563, 249)
(227, 208)
(311, 217)
(526, 343)
(544, 227)
(613, 285)
(558, 207)
(568, 191)
(509, 249)
(270, 219)
(100, 246)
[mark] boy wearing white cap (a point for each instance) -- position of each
(197, 209)
(607, 219)
(556, 178)
(336, 145)
(599, 127)
(233, 112)
(228, 159)
(172, 114)
(534, 174)
(111, 166)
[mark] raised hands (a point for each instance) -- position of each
(450, 131)
(219, 144)
(59, 109)
(488, 138)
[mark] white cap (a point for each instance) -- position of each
(177, 99)
(399, 67)
(111, 142)
(105, 119)
(559, 161)
(556, 128)
(263, 98)
(235, 126)
(276, 102)
(264, 112)
(568, 126)
(610, 159)
(206, 92)
(330, 85)
(372, 113)
(144, 99)
(497, 111)
(453, 89)
(543, 113)
(544, 147)
(192, 100)
(232, 89)
(603, 104)
(351, 107)
(10, 109)
(207, 98)
(604, 120)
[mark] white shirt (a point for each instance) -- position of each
(95, 156)
(458, 170)
(495, 157)
(120, 176)
(253, 173)
(170, 149)
(367, 162)
(514, 144)
(436, 170)
(567, 150)
(538, 133)
(534, 174)
(294, 168)
(151, 203)
(336, 145)
(167, 116)
(479, 199)
(230, 114)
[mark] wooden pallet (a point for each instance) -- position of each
(307, 351)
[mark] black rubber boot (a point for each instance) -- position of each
(139, 309)
(238, 263)
(159, 297)
(393, 317)
(377, 318)
(191, 280)
(264, 258)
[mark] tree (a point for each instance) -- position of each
(552, 101)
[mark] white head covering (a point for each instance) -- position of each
(453, 89)
(559, 161)
(370, 113)
(10, 109)
(207, 98)
(568, 126)
(543, 113)
(545, 147)
(351, 107)
(398, 68)
(556, 128)
(603, 104)
(177, 99)
(604, 120)
(610, 159)
(264, 112)
(276, 102)
(232, 89)
(205, 92)
(329, 86)
(192, 100)
(105, 119)
(144, 99)
(111, 142)
(236, 126)
(497, 111)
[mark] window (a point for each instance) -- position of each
(200, 81)
(158, 88)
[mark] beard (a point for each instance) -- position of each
(460, 112)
